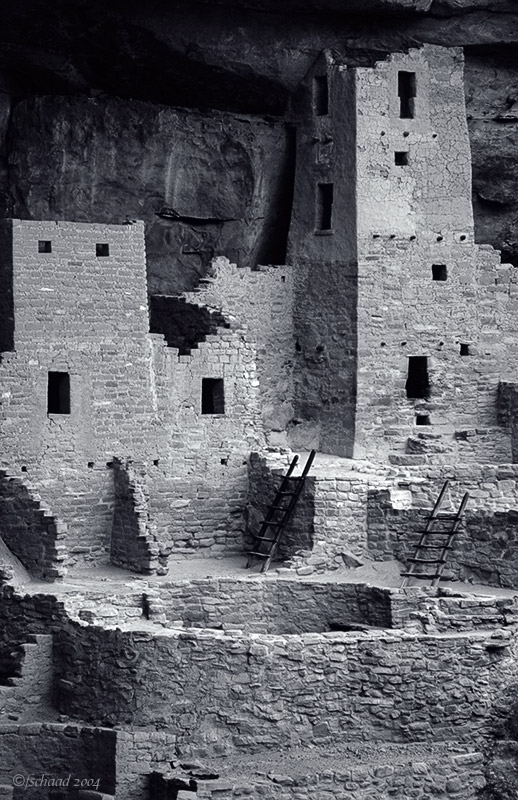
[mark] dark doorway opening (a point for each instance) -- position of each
(320, 95)
(406, 89)
(417, 384)
(58, 393)
(325, 206)
(212, 396)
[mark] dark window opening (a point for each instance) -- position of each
(401, 158)
(102, 250)
(422, 419)
(212, 396)
(464, 350)
(58, 393)
(406, 89)
(44, 247)
(439, 272)
(320, 95)
(417, 384)
(324, 206)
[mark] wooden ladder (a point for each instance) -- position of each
(431, 551)
(279, 514)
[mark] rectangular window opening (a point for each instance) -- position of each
(464, 350)
(406, 89)
(212, 396)
(439, 272)
(417, 384)
(102, 250)
(44, 246)
(401, 158)
(320, 95)
(58, 393)
(324, 206)
(422, 419)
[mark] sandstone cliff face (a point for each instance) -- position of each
(205, 184)
(93, 135)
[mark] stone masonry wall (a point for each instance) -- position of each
(132, 545)
(508, 413)
(420, 609)
(264, 481)
(225, 693)
(460, 776)
(83, 310)
(57, 751)
(198, 483)
(84, 314)
(326, 263)
(262, 299)
(277, 605)
(484, 550)
(29, 530)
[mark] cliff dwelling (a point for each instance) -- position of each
(258, 419)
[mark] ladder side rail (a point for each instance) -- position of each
(451, 536)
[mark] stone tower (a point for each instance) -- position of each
(401, 319)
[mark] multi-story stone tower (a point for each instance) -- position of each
(402, 322)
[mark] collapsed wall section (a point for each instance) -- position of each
(262, 300)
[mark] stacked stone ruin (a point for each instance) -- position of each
(135, 455)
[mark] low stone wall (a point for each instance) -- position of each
(459, 776)
(71, 754)
(276, 605)
(224, 693)
(420, 609)
(485, 548)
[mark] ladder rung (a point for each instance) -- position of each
(286, 493)
(263, 539)
(259, 555)
(272, 524)
(435, 547)
(427, 560)
(420, 575)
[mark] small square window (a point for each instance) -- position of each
(102, 250)
(212, 396)
(439, 272)
(400, 158)
(422, 419)
(464, 350)
(44, 246)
